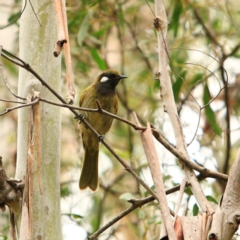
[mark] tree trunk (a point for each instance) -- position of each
(36, 48)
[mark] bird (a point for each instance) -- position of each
(103, 91)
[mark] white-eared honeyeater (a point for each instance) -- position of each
(103, 90)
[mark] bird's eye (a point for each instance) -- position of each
(104, 79)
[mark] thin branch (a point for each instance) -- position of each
(228, 124)
(5, 79)
(146, 60)
(207, 54)
(203, 171)
(13, 21)
(26, 66)
(198, 123)
(7, 110)
(207, 30)
(10, 101)
(35, 13)
(235, 50)
(135, 204)
(221, 88)
(17, 62)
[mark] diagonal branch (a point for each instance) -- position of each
(160, 24)
(153, 162)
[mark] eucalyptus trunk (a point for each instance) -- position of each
(36, 48)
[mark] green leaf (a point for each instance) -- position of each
(210, 115)
(195, 209)
(65, 189)
(72, 215)
(100, 62)
(176, 17)
(197, 77)
(3, 237)
(103, 30)
(188, 191)
(211, 199)
(83, 30)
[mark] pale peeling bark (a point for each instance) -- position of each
(153, 162)
(36, 48)
(227, 216)
(192, 228)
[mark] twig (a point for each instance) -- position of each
(223, 70)
(145, 59)
(5, 79)
(135, 204)
(11, 58)
(220, 88)
(10, 101)
(7, 110)
(207, 30)
(203, 171)
(13, 21)
(228, 124)
(207, 54)
(35, 13)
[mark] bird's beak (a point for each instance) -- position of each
(121, 77)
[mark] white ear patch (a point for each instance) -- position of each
(104, 79)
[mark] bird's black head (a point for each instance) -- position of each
(107, 81)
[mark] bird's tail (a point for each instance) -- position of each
(89, 174)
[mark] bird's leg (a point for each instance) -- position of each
(80, 117)
(100, 138)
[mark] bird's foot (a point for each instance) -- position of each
(80, 117)
(100, 138)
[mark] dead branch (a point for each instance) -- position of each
(153, 162)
